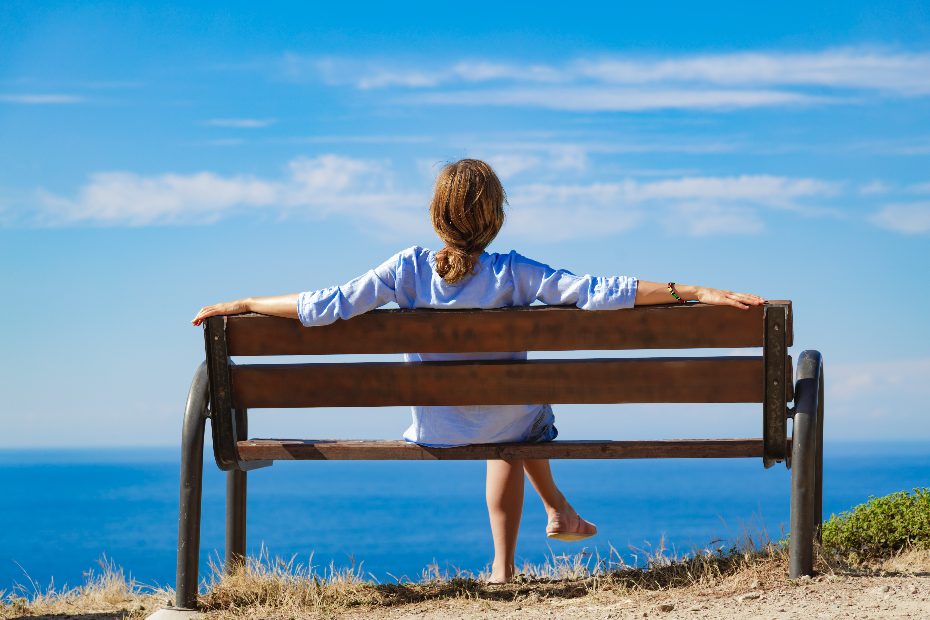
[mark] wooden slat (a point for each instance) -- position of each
(341, 449)
(643, 380)
(538, 328)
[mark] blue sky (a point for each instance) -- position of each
(155, 158)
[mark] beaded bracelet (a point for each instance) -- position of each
(671, 289)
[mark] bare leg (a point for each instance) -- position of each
(561, 514)
(504, 494)
(540, 474)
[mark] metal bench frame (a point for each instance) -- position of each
(222, 391)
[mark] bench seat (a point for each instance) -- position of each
(354, 449)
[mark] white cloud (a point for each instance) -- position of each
(364, 74)
(222, 142)
(357, 139)
(317, 186)
(365, 191)
(610, 99)
(507, 165)
(369, 75)
(135, 200)
(606, 145)
(904, 73)
(766, 190)
(41, 99)
(912, 146)
(558, 223)
(853, 68)
(241, 123)
(633, 83)
(911, 218)
(697, 205)
(763, 189)
(874, 187)
(891, 395)
(513, 159)
(702, 219)
(852, 381)
(555, 158)
(482, 71)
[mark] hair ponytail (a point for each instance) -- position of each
(467, 211)
(453, 263)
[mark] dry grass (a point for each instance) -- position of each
(276, 588)
(106, 593)
(910, 561)
(266, 588)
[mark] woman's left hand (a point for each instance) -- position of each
(719, 297)
(230, 307)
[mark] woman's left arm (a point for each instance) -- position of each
(276, 305)
(650, 293)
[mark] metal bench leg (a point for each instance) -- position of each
(803, 465)
(195, 416)
(236, 485)
(806, 466)
(818, 471)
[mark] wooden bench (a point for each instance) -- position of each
(223, 392)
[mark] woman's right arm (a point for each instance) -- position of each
(370, 290)
(276, 305)
(652, 293)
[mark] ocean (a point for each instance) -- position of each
(62, 511)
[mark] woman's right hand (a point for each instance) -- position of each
(230, 307)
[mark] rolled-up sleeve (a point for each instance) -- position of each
(538, 281)
(364, 293)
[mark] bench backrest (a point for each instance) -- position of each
(762, 379)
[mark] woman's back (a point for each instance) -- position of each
(410, 278)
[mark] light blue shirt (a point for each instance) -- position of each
(409, 278)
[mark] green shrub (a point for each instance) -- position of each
(882, 525)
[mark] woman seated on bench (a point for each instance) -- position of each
(467, 211)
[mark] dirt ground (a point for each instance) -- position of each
(757, 590)
(834, 596)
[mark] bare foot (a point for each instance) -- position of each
(501, 573)
(566, 524)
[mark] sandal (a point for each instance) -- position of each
(570, 529)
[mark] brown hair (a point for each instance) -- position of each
(467, 212)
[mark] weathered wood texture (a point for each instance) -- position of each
(342, 449)
(374, 384)
(539, 328)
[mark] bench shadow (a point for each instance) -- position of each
(110, 615)
(657, 578)
(405, 594)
